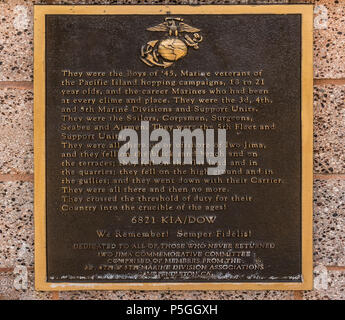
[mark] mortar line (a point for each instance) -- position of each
(16, 177)
(329, 176)
(336, 268)
(24, 85)
(298, 295)
(329, 81)
(55, 295)
(4, 270)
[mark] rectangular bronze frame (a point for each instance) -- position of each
(306, 11)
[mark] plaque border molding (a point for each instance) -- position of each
(40, 11)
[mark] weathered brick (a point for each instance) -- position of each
(329, 222)
(16, 131)
(329, 39)
(329, 129)
(16, 224)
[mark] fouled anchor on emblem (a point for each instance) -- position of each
(164, 53)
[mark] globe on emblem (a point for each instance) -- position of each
(172, 49)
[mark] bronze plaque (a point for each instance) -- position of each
(173, 147)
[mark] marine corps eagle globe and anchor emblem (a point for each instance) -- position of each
(180, 36)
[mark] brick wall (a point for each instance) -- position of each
(16, 158)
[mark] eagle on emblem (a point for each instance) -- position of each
(173, 26)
